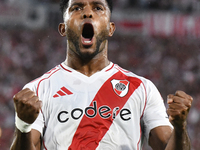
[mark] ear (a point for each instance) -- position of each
(61, 29)
(112, 29)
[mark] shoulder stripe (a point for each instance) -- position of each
(121, 69)
(65, 68)
(51, 73)
(110, 68)
(35, 80)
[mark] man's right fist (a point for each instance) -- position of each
(27, 105)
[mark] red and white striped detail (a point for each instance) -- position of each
(63, 92)
(91, 131)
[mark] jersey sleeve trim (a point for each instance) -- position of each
(51, 73)
(37, 127)
(38, 123)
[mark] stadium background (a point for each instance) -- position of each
(157, 39)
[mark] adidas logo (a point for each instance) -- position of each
(62, 92)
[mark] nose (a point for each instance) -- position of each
(87, 16)
(87, 13)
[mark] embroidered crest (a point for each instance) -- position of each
(120, 87)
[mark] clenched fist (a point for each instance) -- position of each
(27, 105)
(179, 106)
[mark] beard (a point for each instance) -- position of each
(87, 56)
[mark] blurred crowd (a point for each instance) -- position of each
(24, 55)
(187, 6)
(172, 64)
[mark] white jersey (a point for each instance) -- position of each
(104, 111)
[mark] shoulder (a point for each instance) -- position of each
(130, 74)
(45, 78)
(146, 85)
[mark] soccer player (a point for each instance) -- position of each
(88, 103)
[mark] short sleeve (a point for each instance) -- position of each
(155, 111)
(39, 122)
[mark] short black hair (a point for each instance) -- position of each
(64, 5)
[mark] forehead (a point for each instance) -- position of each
(71, 2)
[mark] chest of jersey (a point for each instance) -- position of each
(87, 113)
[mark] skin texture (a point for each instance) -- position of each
(89, 59)
(163, 137)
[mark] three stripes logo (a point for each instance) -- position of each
(62, 92)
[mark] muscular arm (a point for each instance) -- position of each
(163, 138)
(26, 141)
(179, 140)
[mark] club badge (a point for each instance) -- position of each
(120, 87)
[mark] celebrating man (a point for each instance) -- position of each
(88, 103)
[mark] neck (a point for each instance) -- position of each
(87, 67)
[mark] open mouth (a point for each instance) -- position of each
(87, 33)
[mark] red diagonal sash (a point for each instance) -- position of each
(91, 130)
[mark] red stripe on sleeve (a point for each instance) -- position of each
(91, 130)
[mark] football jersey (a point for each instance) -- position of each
(111, 110)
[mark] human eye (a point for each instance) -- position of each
(98, 8)
(77, 8)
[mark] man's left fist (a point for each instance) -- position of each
(179, 106)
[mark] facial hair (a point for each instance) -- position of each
(74, 38)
